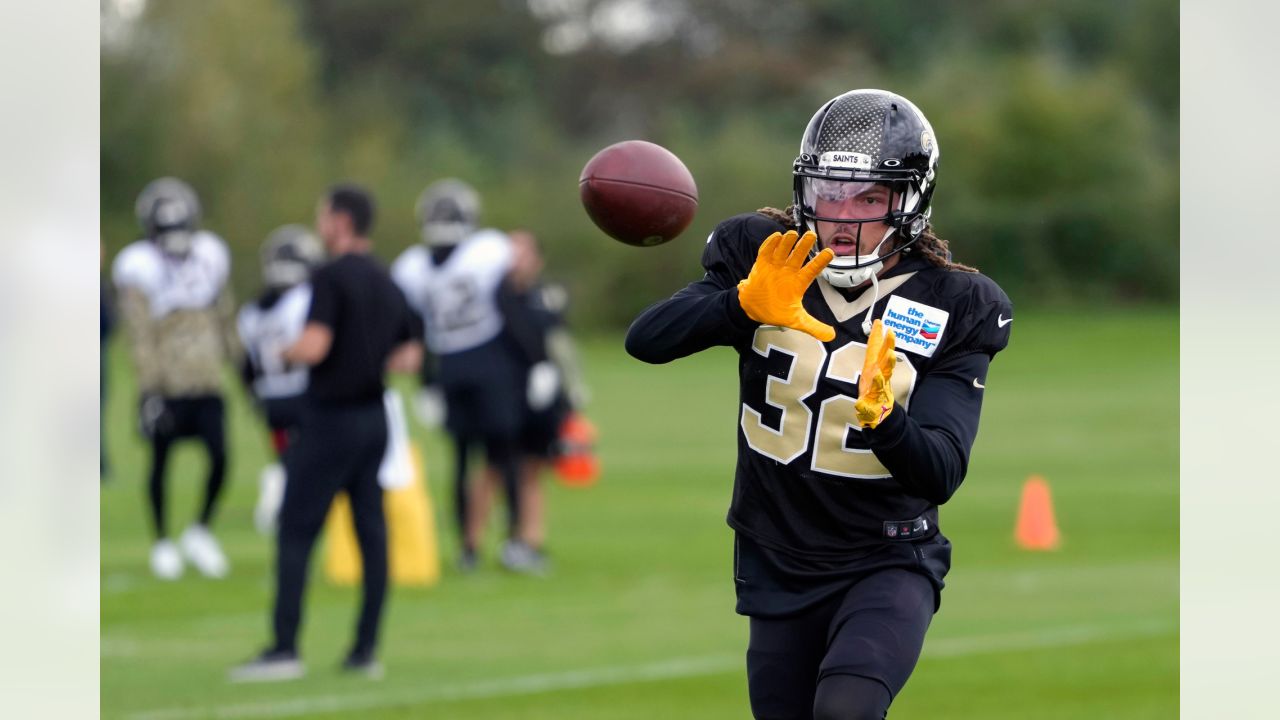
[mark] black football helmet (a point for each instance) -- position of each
(862, 137)
(448, 211)
(169, 212)
(289, 254)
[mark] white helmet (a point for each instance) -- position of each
(447, 212)
(289, 254)
(169, 212)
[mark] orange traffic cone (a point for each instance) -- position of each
(577, 465)
(1037, 529)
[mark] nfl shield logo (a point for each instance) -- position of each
(892, 531)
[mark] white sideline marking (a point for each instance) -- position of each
(941, 648)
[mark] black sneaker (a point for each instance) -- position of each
(270, 666)
(362, 663)
(468, 561)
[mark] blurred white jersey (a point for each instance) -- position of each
(458, 299)
(266, 334)
(189, 283)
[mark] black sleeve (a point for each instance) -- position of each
(702, 315)
(522, 324)
(324, 298)
(927, 448)
(706, 313)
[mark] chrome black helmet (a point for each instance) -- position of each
(862, 138)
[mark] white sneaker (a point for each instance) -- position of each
(270, 666)
(166, 561)
(201, 548)
(519, 557)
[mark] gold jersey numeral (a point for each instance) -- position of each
(835, 414)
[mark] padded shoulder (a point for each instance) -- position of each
(138, 266)
(983, 312)
(731, 248)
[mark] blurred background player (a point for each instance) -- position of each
(106, 325)
(457, 279)
(358, 327)
(177, 309)
(267, 327)
(542, 306)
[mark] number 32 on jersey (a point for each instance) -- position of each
(795, 431)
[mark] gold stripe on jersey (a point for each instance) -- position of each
(845, 309)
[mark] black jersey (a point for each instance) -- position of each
(810, 483)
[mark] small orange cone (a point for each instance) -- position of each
(1037, 529)
(577, 465)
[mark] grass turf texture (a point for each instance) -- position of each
(637, 618)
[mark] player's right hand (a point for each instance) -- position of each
(772, 292)
(154, 417)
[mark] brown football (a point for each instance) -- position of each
(638, 193)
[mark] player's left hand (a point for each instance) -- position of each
(875, 397)
(544, 383)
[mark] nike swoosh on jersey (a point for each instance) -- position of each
(978, 385)
(1001, 320)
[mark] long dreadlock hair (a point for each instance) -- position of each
(931, 247)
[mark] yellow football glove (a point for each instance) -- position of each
(772, 292)
(875, 397)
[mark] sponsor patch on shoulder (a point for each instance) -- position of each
(918, 327)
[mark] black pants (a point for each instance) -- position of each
(484, 396)
(338, 448)
(200, 417)
(846, 658)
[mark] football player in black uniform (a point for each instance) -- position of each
(862, 368)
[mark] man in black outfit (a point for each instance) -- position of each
(358, 327)
(863, 357)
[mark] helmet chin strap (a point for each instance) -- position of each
(875, 297)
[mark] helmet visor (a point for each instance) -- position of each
(285, 272)
(845, 201)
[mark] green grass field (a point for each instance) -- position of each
(637, 619)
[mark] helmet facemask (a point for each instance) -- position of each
(172, 227)
(858, 207)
